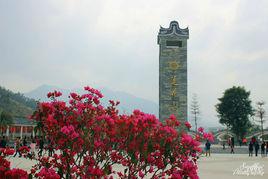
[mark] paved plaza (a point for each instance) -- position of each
(222, 166)
(217, 166)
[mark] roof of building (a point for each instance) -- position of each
(173, 28)
(22, 121)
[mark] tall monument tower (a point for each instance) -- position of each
(173, 71)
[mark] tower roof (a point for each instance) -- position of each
(173, 28)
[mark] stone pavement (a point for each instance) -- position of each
(222, 166)
(217, 166)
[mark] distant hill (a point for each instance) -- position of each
(16, 103)
(128, 102)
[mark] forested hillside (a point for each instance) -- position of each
(16, 103)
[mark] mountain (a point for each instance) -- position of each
(16, 103)
(128, 102)
(40, 93)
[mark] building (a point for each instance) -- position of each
(21, 127)
(173, 71)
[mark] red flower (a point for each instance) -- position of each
(141, 174)
(187, 124)
(24, 149)
(209, 136)
(54, 94)
(16, 174)
(201, 129)
(74, 95)
(48, 173)
(57, 93)
(7, 151)
(49, 94)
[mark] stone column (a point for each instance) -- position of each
(13, 133)
(33, 132)
(21, 129)
(7, 131)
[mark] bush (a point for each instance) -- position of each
(92, 139)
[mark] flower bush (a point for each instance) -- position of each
(93, 141)
(24, 150)
(5, 171)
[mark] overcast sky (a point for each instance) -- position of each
(113, 43)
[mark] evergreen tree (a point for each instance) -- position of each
(195, 110)
(234, 110)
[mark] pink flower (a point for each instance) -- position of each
(48, 173)
(65, 130)
(97, 144)
(172, 117)
(54, 94)
(24, 149)
(49, 94)
(69, 131)
(197, 137)
(87, 88)
(96, 100)
(120, 174)
(190, 169)
(201, 129)
(16, 173)
(151, 169)
(141, 174)
(74, 95)
(98, 93)
(176, 175)
(209, 136)
(188, 141)
(4, 164)
(187, 124)
(95, 171)
(74, 135)
(7, 151)
(57, 93)
(51, 120)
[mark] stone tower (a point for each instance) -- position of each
(173, 71)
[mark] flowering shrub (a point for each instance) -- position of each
(207, 136)
(24, 150)
(16, 173)
(47, 174)
(92, 140)
(6, 151)
(5, 171)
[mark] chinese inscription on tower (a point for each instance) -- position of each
(173, 71)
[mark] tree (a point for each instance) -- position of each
(195, 110)
(5, 119)
(260, 112)
(234, 110)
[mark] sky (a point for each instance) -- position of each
(113, 43)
